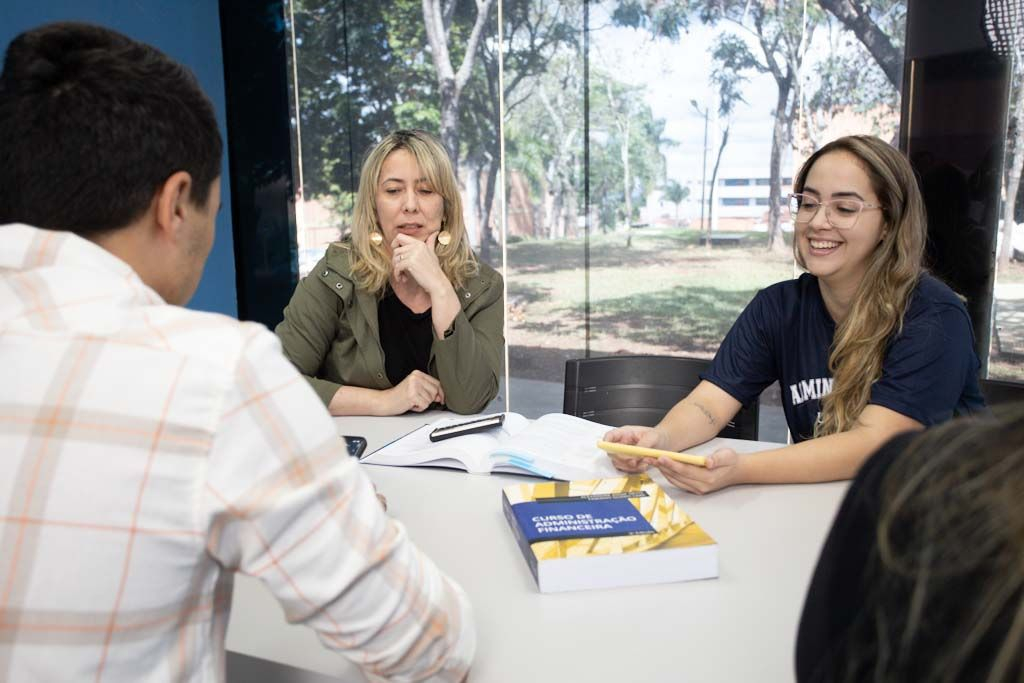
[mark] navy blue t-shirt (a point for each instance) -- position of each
(929, 374)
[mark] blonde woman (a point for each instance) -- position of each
(401, 315)
(864, 344)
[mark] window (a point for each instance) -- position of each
(604, 213)
(1005, 26)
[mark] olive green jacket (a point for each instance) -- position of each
(330, 334)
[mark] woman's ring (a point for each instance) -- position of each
(401, 256)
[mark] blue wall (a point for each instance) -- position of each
(188, 31)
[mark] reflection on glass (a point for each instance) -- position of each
(1004, 24)
(545, 145)
(362, 69)
(694, 118)
(698, 123)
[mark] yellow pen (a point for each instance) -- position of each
(641, 452)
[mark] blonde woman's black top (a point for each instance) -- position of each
(405, 337)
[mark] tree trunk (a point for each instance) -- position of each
(779, 141)
(436, 22)
(627, 181)
(450, 119)
(566, 189)
(570, 204)
(471, 204)
(485, 224)
(550, 198)
(853, 16)
(553, 198)
(714, 179)
(1013, 173)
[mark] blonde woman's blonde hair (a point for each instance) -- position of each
(371, 266)
(881, 299)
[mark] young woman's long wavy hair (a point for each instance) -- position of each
(371, 266)
(945, 580)
(892, 273)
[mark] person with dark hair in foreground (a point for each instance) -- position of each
(922, 575)
(147, 452)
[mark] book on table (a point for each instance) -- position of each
(554, 446)
(605, 533)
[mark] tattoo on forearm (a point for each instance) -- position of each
(707, 413)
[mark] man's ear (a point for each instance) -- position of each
(172, 203)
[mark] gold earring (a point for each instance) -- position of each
(444, 238)
(376, 238)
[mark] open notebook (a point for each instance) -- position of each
(555, 446)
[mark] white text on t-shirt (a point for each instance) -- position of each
(806, 389)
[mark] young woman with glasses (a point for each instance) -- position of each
(864, 344)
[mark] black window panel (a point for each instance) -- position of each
(953, 129)
(255, 41)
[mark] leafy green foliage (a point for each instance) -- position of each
(660, 18)
(365, 69)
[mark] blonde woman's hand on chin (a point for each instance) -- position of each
(413, 258)
(416, 392)
(633, 435)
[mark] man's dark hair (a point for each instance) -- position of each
(92, 123)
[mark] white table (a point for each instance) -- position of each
(739, 627)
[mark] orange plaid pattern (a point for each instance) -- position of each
(146, 453)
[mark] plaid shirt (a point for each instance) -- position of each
(147, 452)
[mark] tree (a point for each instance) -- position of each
(544, 140)
(1004, 29)
(621, 106)
(856, 74)
(856, 16)
(344, 103)
(660, 18)
(782, 32)
(347, 58)
(533, 33)
(1014, 155)
(563, 166)
(625, 149)
(675, 193)
(437, 21)
(727, 81)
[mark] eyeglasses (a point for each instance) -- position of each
(841, 214)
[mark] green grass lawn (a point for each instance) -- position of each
(664, 294)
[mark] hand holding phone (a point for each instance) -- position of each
(481, 424)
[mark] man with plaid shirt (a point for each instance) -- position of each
(147, 452)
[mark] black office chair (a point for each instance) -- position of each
(998, 392)
(621, 390)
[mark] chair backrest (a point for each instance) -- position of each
(998, 392)
(621, 390)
